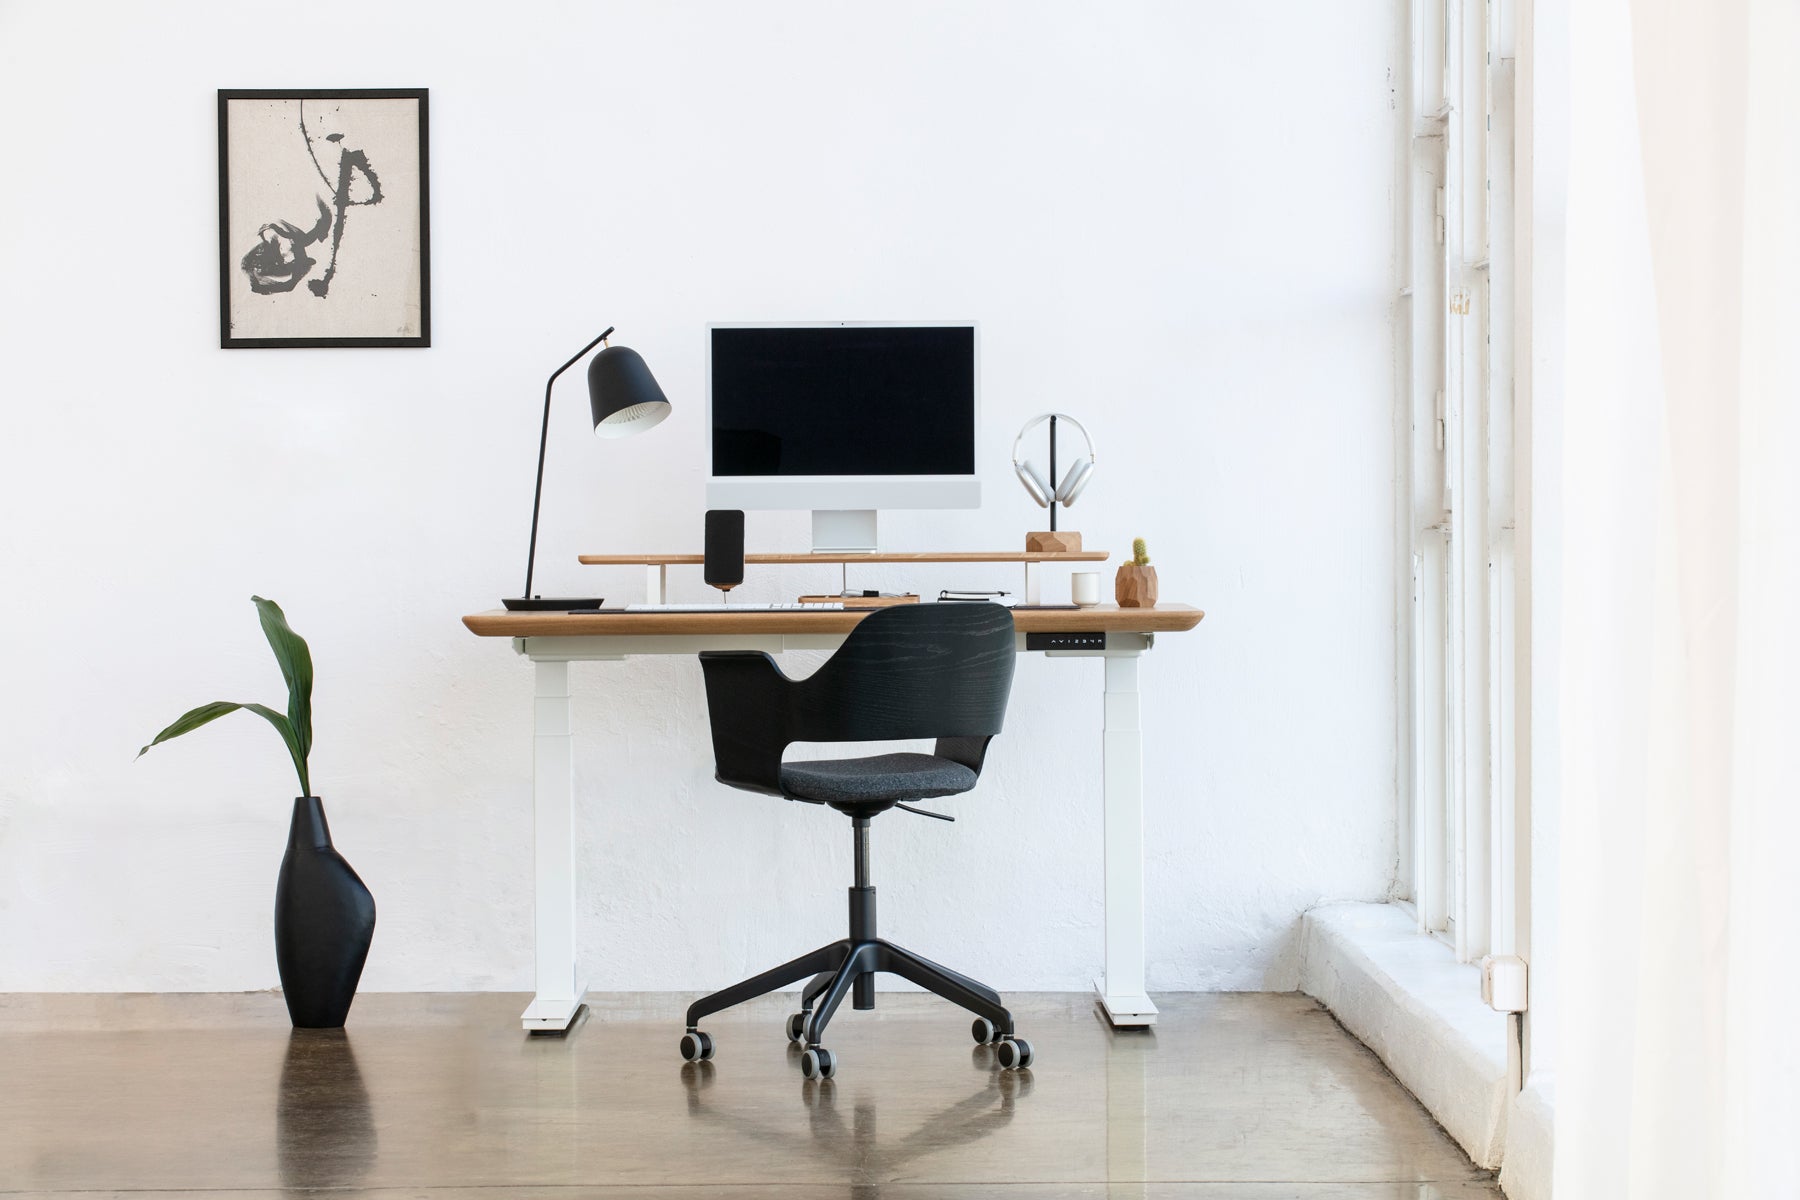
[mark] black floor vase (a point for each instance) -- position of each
(324, 921)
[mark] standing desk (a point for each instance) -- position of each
(554, 640)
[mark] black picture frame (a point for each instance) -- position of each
(232, 257)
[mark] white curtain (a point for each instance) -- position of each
(1678, 1073)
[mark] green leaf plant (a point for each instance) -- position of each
(295, 726)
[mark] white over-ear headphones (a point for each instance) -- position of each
(1073, 480)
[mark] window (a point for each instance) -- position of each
(1456, 499)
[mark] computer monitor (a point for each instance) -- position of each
(843, 418)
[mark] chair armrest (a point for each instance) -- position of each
(748, 702)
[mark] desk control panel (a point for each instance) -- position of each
(1065, 641)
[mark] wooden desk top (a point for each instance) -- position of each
(832, 559)
(1107, 618)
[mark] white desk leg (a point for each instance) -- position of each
(1122, 995)
(559, 991)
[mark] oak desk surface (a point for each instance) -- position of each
(1105, 618)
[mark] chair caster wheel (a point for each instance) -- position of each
(818, 1063)
(696, 1046)
(1014, 1054)
(796, 1027)
(983, 1031)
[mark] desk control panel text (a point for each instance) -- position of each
(1065, 641)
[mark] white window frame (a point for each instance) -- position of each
(1455, 320)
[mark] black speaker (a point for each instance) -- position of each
(724, 548)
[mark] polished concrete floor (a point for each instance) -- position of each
(441, 1097)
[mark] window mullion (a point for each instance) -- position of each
(1428, 486)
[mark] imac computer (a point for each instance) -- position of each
(843, 418)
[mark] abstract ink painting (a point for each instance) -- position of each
(324, 231)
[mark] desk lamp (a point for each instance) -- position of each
(625, 400)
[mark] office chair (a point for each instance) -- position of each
(938, 671)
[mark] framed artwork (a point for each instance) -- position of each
(324, 219)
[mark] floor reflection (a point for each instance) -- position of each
(324, 1127)
(854, 1139)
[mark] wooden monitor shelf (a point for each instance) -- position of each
(656, 582)
(909, 556)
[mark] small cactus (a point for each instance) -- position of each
(1135, 584)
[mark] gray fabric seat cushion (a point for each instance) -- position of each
(872, 780)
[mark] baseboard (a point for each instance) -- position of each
(1406, 997)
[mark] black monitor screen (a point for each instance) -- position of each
(896, 400)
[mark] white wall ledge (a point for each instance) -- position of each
(1408, 999)
(1530, 1124)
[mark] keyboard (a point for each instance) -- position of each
(732, 608)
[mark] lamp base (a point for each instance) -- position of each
(549, 603)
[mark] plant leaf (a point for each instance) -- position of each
(191, 720)
(286, 729)
(208, 713)
(297, 669)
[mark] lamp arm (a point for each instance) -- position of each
(537, 498)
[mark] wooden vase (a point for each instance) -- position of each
(1135, 586)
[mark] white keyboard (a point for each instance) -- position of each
(830, 606)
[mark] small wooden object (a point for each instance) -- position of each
(1053, 542)
(1135, 586)
(861, 601)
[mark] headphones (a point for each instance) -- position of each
(1073, 480)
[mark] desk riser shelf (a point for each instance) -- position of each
(921, 556)
(656, 566)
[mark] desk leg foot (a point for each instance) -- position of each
(1123, 1011)
(553, 1014)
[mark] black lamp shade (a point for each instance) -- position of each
(624, 394)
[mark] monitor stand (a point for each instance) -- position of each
(843, 531)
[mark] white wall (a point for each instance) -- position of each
(1172, 220)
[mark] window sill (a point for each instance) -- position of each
(1406, 998)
